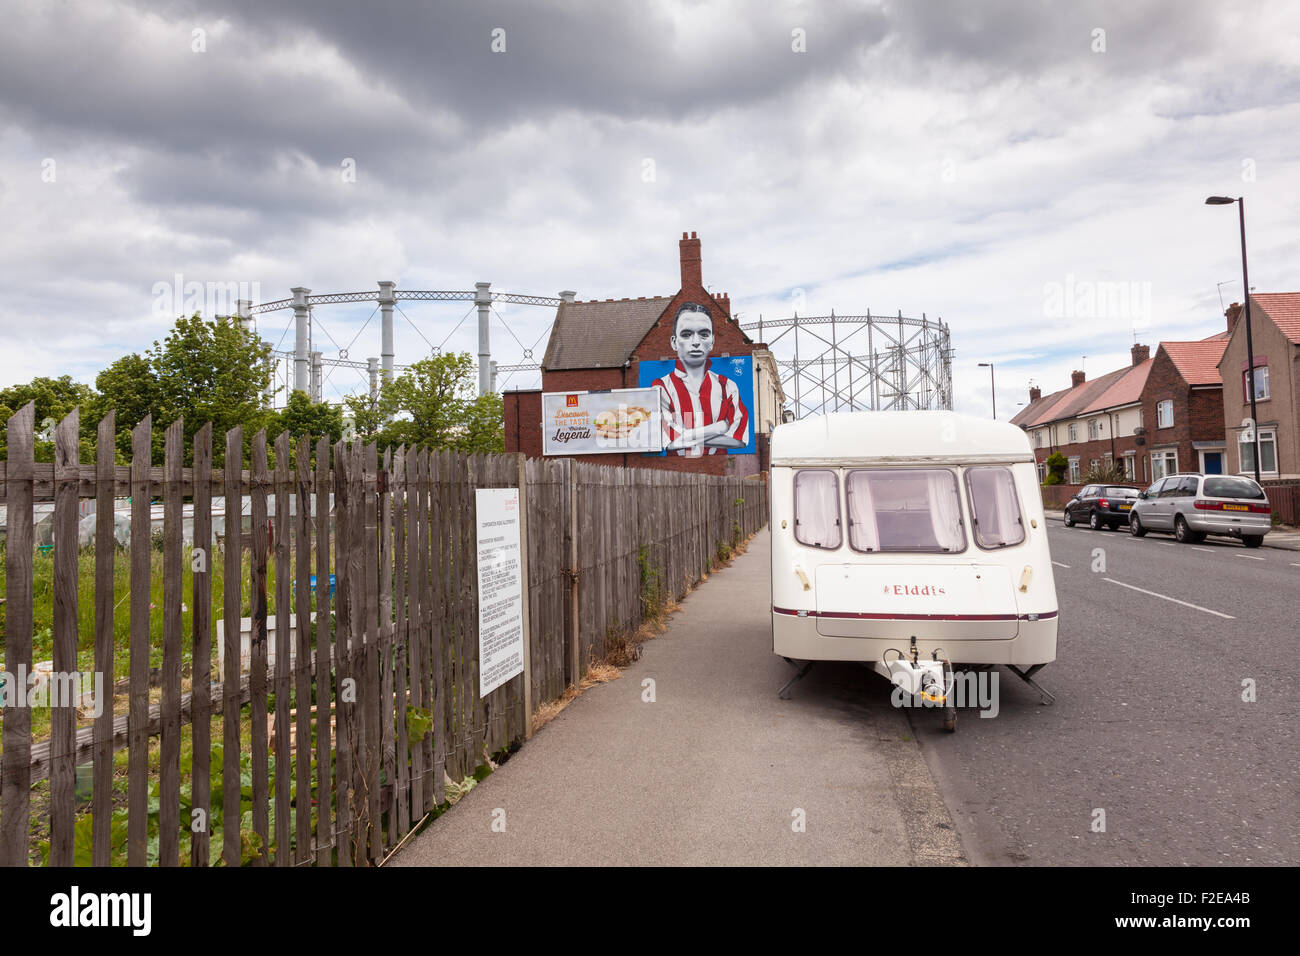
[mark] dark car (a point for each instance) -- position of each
(1101, 506)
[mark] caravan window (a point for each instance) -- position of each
(817, 509)
(994, 507)
(905, 511)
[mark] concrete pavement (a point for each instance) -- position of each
(717, 769)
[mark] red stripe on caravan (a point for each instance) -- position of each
(913, 617)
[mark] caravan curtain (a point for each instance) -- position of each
(945, 510)
(995, 506)
(864, 535)
(817, 509)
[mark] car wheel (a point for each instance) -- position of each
(1252, 540)
(1181, 531)
(1069, 519)
(1135, 526)
(1094, 521)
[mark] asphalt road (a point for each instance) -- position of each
(1149, 723)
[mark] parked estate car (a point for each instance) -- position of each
(1194, 505)
(1101, 506)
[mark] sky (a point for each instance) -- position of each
(992, 164)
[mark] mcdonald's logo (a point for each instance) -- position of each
(571, 401)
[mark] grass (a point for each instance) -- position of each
(43, 615)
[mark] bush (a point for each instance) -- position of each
(1057, 465)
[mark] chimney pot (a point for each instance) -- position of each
(1077, 378)
(1035, 393)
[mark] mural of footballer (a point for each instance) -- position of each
(702, 411)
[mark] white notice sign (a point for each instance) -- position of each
(500, 588)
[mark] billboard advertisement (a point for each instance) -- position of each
(619, 421)
(706, 404)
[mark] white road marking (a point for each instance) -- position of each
(1167, 544)
(1165, 597)
(1252, 557)
(1294, 565)
(1206, 550)
(1067, 567)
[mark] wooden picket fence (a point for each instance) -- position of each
(333, 752)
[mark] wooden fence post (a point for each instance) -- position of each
(527, 597)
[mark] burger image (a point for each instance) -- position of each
(619, 423)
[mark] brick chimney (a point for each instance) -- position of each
(1140, 353)
(692, 277)
(1233, 314)
(724, 300)
(1077, 378)
(1035, 393)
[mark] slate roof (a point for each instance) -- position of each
(600, 334)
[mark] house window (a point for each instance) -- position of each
(1165, 414)
(1074, 469)
(1094, 429)
(1261, 384)
(1142, 419)
(1038, 438)
(1109, 461)
(1074, 432)
(1042, 472)
(1128, 468)
(1164, 463)
(817, 509)
(1267, 453)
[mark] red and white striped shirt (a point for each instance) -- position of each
(684, 408)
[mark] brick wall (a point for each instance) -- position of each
(728, 339)
(524, 422)
(1198, 413)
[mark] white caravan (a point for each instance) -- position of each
(912, 541)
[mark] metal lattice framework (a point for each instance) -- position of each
(409, 295)
(483, 297)
(900, 363)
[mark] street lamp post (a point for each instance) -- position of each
(1250, 341)
(992, 387)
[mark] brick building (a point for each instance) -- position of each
(1275, 328)
(1155, 417)
(599, 345)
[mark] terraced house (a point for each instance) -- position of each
(1275, 327)
(1155, 417)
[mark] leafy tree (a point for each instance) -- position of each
(367, 416)
(211, 370)
(54, 398)
(301, 416)
(130, 388)
(433, 404)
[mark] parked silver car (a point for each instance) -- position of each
(1192, 506)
